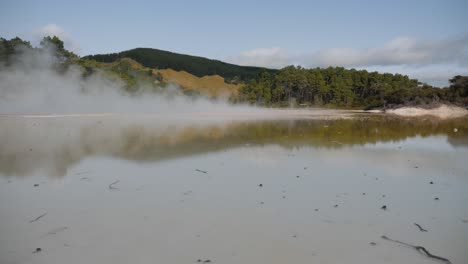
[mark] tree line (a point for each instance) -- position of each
(351, 88)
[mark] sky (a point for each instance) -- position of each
(427, 39)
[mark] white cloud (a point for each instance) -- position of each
(399, 51)
(263, 57)
(55, 30)
(433, 61)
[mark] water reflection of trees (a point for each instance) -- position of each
(54, 146)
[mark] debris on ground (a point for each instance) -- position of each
(37, 218)
(420, 228)
(420, 249)
(55, 231)
(384, 207)
(111, 187)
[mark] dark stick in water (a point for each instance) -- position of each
(420, 228)
(37, 218)
(200, 171)
(419, 249)
(113, 188)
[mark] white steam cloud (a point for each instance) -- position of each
(55, 30)
(32, 86)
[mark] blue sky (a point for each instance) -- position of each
(425, 39)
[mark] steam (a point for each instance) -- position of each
(32, 85)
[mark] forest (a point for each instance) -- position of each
(347, 88)
(290, 86)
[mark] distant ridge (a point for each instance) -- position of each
(198, 66)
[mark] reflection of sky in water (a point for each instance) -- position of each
(418, 143)
(168, 211)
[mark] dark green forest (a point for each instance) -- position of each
(198, 66)
(350, 88)
(290, 86)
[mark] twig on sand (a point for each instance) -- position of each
(420, 228)
(112, 187)
(201, 171)
(37, 218)
(420, 249)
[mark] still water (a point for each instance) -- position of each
(287, 188)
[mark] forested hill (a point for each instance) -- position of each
(198, 66)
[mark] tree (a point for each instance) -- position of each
(11, 47)
(57, 45)
(54, 42)
(458, 90)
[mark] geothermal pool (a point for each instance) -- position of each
(240, 189)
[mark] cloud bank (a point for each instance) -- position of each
(263, 57)
(399, 51)
(410, 54)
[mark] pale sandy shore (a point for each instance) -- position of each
(443, 111)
